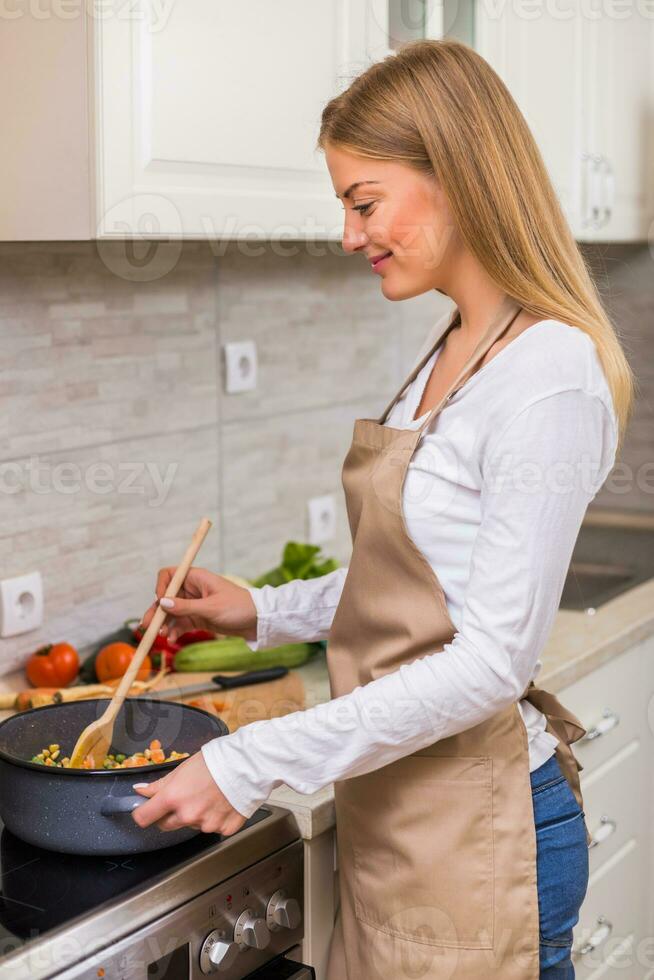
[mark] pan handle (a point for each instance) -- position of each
(112, 805)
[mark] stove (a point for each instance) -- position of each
(232, 906)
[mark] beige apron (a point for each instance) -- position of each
(437, 851)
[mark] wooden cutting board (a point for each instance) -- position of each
(242, 705)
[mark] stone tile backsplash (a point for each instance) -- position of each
(116, 435)
(625, 277)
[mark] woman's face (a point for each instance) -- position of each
(397, 210)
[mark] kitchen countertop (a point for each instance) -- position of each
(578, 644)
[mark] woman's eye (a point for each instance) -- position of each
(363, 208)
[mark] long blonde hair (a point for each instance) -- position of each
(439, 107)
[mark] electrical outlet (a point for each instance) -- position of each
(322, 519)
(240, 366)
(21, 604)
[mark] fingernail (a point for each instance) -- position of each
(167, 603)
(138, 785)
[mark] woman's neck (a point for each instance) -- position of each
(476, 296)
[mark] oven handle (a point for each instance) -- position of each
(283, 969)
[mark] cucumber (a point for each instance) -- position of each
(233, 653)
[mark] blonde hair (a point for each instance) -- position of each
(439, 107)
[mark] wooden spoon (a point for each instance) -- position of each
(96, 738)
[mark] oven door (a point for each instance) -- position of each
(283, 969)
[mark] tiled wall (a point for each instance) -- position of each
(625, 277)
(116, 436)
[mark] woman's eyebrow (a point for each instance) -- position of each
(359, 183)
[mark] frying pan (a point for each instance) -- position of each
(88, 811)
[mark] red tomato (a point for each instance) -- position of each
(54, 665)
(114, 659)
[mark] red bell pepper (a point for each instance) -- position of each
(194, 636)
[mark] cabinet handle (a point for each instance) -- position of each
(606, 828)
(601, 934)
(610, 720)
(588, 189)
(599, 191)
(596, 185)
(609, 181)
(607, 190)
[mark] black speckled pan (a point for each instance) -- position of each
(88, 811)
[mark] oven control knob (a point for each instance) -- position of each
(217, 953)
(283, 912)
(251, 931)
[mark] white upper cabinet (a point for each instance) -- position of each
(208, 121)
(193, 119)
(199, 119)
(581, 72)
(542, 63)
(621, 121)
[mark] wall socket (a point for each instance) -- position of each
(322, 519)
(240, 366)
(21, 604)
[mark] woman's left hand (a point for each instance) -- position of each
(187, 797)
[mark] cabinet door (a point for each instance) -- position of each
(612, 704)
(617, 784)
(612, 922)
(207, 116)
(540, 55)
(620, 44)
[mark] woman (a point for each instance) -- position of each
(461, 833)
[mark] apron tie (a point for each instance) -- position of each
(567, 728)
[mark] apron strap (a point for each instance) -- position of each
(502, 320)
(454, 322)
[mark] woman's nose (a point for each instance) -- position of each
(354, 239)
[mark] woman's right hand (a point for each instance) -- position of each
(205, 601)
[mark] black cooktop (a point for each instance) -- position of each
(42, 890)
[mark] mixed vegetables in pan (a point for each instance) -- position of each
(50, 756)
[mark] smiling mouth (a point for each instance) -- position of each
(380, 258)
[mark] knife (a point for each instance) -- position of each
(219, 682)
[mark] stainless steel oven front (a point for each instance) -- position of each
(244, 925)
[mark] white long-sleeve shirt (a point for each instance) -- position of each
(494, 497)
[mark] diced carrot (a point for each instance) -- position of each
(158, 755)
(155, 744)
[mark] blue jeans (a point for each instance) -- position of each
(562, 867)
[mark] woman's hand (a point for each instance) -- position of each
(187, 797)
(205, 601)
